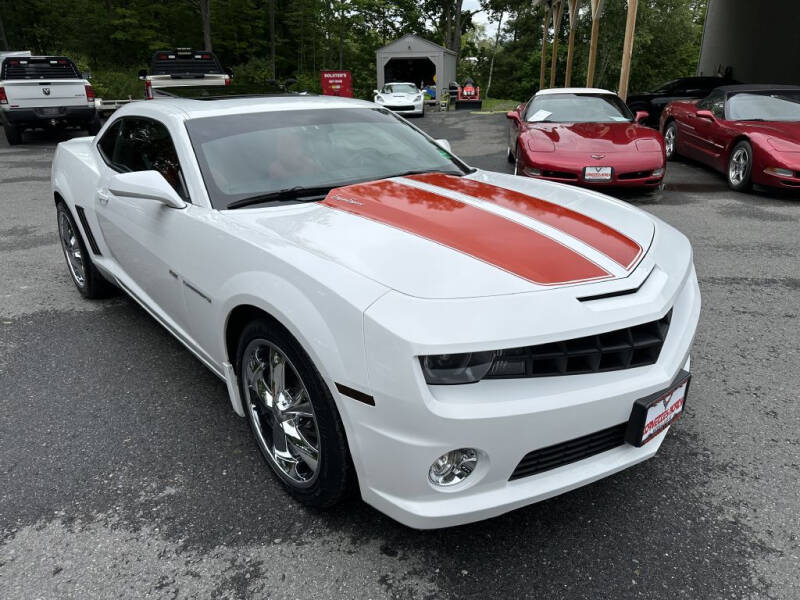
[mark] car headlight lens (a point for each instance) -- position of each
(532, 172)
(453, 467)
(658, 172)
(648, 145)
(418, 98)
(783, 145)
(449, 369)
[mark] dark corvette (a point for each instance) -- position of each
(586, 137)
(749, 132)
(685, 88)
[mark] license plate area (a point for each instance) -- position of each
(597, 173)
(651, 415)
(50, 111)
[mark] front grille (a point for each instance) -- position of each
(569, 452)
(636, 346)
(410, 107)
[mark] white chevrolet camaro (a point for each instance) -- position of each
(456, 343)
(403, 98)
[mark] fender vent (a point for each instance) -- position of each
(88, 231)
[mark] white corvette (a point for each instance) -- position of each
(456, 343)
(404, 98)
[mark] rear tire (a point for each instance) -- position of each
(90, 283)
(740, 167)
(292, 415)
(13, 134)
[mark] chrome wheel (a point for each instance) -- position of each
(739, 166)
(669, 140)
(71, 246)
(281, 413)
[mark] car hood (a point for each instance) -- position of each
(440, 236)
(777, 129)
(399, 97)
(587, 137)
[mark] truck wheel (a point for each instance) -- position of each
(292, 415)
(13, 134)
(94, 126)
(90, 283)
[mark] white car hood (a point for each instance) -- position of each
(439, 236)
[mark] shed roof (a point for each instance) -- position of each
(401, 45)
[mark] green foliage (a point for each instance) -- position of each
(115, 38)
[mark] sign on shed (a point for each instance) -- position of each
(336, 83)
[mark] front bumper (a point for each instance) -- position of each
(33, 117)
(415, 108)
(627, 170)
(411, 424)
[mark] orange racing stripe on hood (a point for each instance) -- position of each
(478, 233)
(599, 236)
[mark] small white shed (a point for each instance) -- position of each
(415, 60)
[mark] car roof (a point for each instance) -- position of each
(188, 108)
(755, 87)
(573, 90)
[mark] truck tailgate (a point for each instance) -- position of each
(38, 93)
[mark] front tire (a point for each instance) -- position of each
(13, 134)
(671, 140)
(740, 167)
(292, 415)
(90, 283)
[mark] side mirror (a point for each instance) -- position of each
(87, 75)
(513, 115)
(142, 73)
(145, 185)
(641, 115)
(229, 72)
(705, 114)
(375, 92)
(444, 144)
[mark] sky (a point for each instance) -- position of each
(491, 28)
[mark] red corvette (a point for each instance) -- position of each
(749, 132)
(584, 136)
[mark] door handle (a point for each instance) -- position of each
(103, 198)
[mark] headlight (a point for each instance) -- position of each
(418, 98)
(779, 172)
(448, 369)
(658, 172)
(783, 145)
(378, 98)
(648, 145)
(540, 144)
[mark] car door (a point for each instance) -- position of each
(515, 127)
(706, 132)
(141, 234)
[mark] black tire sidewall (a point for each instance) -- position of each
(334, 478)
(747, 181)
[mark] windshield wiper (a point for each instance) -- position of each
(297, 192)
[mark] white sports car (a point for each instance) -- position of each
(457, 343)
(402, 98)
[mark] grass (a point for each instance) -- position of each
(496, 105)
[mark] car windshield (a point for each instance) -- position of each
(400, 88)
(765, 106)
(250, 155)
(577, 108)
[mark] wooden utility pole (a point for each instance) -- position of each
(627, 49)
(557, 10)
(545, 28)
(573, 21)
(494, 51)
(597, 8)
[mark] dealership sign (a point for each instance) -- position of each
(336, 83)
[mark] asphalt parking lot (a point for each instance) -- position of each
(124, 473)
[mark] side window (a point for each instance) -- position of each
(714, 102)
(146, 145)
(108, 141)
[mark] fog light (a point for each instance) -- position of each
(532, 172)
(658, 172)
(778, 172)
(453, 467)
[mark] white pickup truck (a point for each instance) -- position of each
(44, 91)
